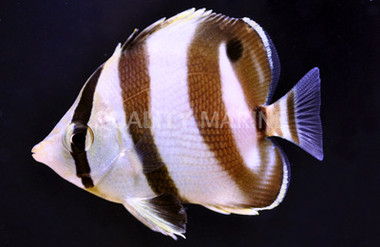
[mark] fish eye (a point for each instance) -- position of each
(78, 138)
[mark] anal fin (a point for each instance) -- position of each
(163, 213)
(232, 210)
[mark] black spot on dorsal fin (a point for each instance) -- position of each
(234, 49)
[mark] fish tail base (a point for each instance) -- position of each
(296, 116)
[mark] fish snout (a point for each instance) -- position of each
(40, 152)
(36, 151)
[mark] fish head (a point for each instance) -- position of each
(74, 149)
(52, 150)
(86, 142)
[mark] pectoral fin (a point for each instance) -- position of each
(164, 214)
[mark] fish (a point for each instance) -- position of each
(182, 113)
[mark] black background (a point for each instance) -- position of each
(49, 48)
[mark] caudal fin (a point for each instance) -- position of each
(295, 117)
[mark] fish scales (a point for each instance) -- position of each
(135, 84)
(181, 113)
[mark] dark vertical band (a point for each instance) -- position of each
(80, 119)
(135, 84)
(82, 112)
(261, 188)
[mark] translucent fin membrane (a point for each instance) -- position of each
(163, 213)
(307, 101)
(295, 117)
(276, 68)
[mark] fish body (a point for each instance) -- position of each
(181, 114)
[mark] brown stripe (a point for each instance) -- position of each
(80, 119)
(135, 84)
(273, 175)
(205, 92)
(292, 117)
(254, 53)
(246, 51)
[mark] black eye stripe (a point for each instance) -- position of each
(83, 111)
(80, 118)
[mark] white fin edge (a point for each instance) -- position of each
(189, 15)
(117, 50)
(285, 180)
(183, 17)
(217, 209)
(274, 61)
(263, 37)
(230, 210)
(150, 216)
(275, 203)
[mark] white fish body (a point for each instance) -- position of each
(181, 114)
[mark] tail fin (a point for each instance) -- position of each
(295, 117)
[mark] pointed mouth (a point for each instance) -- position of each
(37, 151)
(36, 148)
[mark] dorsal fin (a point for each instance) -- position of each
(130, 39)
(136, 37)
(249, 48)
(258, 69)
(182, 17)
(272, 56)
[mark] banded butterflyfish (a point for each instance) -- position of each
(181, 113)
